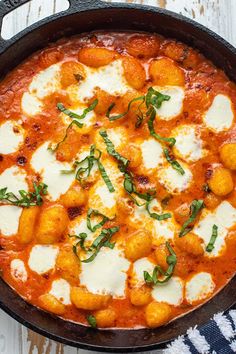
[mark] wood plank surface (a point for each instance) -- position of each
(219, 15)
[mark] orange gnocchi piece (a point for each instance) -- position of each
(138, 245)
(134, 73)
(96, 57)
(49, 303)
(27, 224)
(85, 300)
(165, 72)
(50, 57)
(105, 318)
(68, 264)
(141, 46)
(157, 314)
(71, 73)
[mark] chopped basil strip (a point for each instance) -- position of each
(90, 214)
(111, 149)
(92, 321)
(26, 199)
(155, 98)
(174, 163)
(85, 166)
(195, 208)
(211, 244)
(170, 141)
(158, 272)
(103, 240)
(82, 237)
(118, 116)
(156, 216)
(76, 117)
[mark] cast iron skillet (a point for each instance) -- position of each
(84, 16)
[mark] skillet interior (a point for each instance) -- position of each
(98, 15)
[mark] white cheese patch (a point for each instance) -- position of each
(152, 153)
(219, 116)
(11, 137)
(45, 83)
(109, 78)
(9, 219)
(141, 265)
(44, 162)
(199, 287)
(170, 292)
(30, 104)
(107, 198)
(88, 121)
(61, 291)
(106, 274)
(43, 258)
(14, 178)
(164, 229)
(173, 181)
(224, 217)
(188, 144)
(18, 270)
(172, 108)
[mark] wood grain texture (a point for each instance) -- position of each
(219, 15)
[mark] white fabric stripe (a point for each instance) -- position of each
(177, 347)
(233, 346)
(232, 314)
(198, 340)
(224, 325)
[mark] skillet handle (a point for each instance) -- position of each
(87, 4)
(7, 6)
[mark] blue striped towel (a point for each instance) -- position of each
(218, 336)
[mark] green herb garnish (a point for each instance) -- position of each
(156, 216)
(103, 240)
(76, 118)
(211, 244)
(111, 149)
(195, 208)
(119, 116)
(26, 199)
(154, 279)
(170, 141)
(92, 321)
(85, 166)
(90, 214)
(174, 163)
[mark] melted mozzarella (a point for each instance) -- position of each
(164, 230)
(139, 267)
(9, 219)
(46, 82)
(14, 178)
(30, 104)
(173, 181)
(44, 162)
(11, 137)
(188, 143)
(61, 291)
(109, 78)
(219, 116)
(172, 108)
(224, 217)
(43, 84)
(107, 198)
(42, 258)
(18, 270)
(106, 274)
(170, 292)
(199, 287)
(152, 153)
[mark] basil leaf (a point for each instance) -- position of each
(170, 141)
(75, 118)
(82, 237)
(155, 98)
(176, 166)
(211, 244)
(195, 208)
(92, 321)
(90, 214)
(171, 260)
(156, 216)
(111, 149)
(105, 177)
(118, 116)
(26, 199)
(103, 240)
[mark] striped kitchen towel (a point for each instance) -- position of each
(218, 336)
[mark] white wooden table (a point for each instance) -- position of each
(219, 15)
